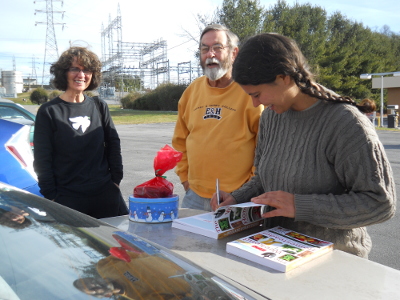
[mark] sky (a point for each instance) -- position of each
(80, 22)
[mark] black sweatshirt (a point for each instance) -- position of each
(70, 157)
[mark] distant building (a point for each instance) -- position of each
(30, 81)
(2, 91)
(392, 84)
(12, 82)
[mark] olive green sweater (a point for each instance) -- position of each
(330, 157)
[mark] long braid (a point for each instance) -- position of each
(304, 82)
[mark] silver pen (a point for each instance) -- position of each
(217, 188)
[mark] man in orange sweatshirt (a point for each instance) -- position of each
(217, 124)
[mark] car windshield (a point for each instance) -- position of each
(52, 252)
(7, 112)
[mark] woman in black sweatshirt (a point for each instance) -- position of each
(77, 148)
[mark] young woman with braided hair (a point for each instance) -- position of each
(320, 167)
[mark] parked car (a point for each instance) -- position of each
(15, 112)
(16, 157)
(54, 252)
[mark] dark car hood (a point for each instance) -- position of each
(56, 252)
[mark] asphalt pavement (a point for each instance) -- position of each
(141, 142)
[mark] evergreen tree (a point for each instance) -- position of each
(242, 17)
(305, 24)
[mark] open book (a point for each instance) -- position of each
(224, 221)
(279, 248)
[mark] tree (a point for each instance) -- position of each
(243, 17)
(165, 97)
(337, 49)
(39, 96)
(303, 23)
(346, 49)
(54, 93)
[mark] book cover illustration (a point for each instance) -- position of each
(279, 248)
(235, 216)
(224, 221)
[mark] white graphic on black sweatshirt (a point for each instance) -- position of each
(83, 122)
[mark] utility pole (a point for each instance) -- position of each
(51, 49)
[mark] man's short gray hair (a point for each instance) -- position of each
(233, 40)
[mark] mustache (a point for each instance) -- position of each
(212, 60)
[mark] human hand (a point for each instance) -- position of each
(282, 201)
(185, 185)
(225, 200)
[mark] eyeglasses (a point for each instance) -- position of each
(75, 70)
(217, 48)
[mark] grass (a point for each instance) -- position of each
(131, 116)
(20, 98)
(123, 116)
(387, 129)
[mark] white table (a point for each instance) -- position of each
(335, 275)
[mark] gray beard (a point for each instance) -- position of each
(215, 73)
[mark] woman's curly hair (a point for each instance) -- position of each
(267, 55)
(85, 57)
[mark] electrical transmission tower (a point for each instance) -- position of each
(147, 61)
(51, 49)
(111, 52)
(33, 77)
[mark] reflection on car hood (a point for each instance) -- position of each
(49, 251)
(21, 121)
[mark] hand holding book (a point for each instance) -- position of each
(283, 203)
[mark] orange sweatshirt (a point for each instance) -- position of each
(217, 131)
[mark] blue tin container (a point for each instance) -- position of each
(153, 210)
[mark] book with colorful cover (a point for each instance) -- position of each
(279, 248)
(225, 221)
